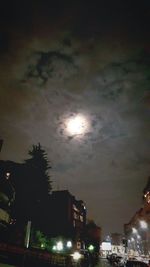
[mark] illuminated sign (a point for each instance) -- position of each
(106, 246)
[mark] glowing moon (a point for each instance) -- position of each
(77, 125)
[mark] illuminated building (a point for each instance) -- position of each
(146, 193)
(137, 230)
(117, 245)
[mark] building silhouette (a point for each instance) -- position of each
(93, 236)
(67, 217)
(7, 197)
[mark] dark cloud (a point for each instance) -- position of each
(47, 65)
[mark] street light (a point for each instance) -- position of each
(133, 246)
(144, 234)
(54, 247)
(143, 224)
(91, 248)
(69, 244)
(59, 246)
(134, 230)
(76, 255)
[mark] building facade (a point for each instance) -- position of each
(7, 197)
(137, 231)
(68, 217)
(117, 244)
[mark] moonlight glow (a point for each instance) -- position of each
(77, 125)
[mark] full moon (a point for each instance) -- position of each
(77, 125)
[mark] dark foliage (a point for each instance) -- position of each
(38, 167)
(32, 185)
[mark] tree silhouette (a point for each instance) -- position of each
(37, 185)
(38, 167)
(33, 187)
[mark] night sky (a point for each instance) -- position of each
(90, 60)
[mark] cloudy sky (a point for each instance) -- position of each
(87, 60)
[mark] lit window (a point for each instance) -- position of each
(148, 198)
(75, 208)
(81, 218)
(7, 175)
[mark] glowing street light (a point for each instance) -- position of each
(59, 246)
(76, 255)
(143, 224)
(42, 245)
(54, 248)
(7, 175)
(69, 244)
(134, 230)
(91, 247)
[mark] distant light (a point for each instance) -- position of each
(91, 247)
(69, 244)
(59, 246)
(76, 255)
(134, 230)
(54, 247)
(108, 238)
(42, 245)
(143, 224)
(106, 246)
(147, 193)
(7, 175)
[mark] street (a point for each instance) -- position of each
(101, 263)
